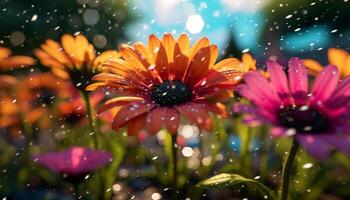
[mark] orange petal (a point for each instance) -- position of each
(110, 78)
(180, 63)
(144, 51)
(95, 86)
(214, 52)
(184, 43)
(153, 45)
(69, 46)
(313, 66)
(54, 49)
(84, 50)
(130, 56)
(128, 113)
(17, 61)
(229, 64)
(161, 64)
(338, 57)
(249, 61)
(200, 44)
(199, 65)
(103, 57)
(118, 101)
(168, 42)
(47, 60)
(156, 119)
(4, 53)
(347, 67)
(136, 125)
(60, 73)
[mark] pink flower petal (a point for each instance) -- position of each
(259, 90)
(73, 161)
(325, 84)
(278, 79)
(341, 94)
(298, 80)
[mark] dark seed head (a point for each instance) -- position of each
(171, 93)
(44, 96)
(304, 119)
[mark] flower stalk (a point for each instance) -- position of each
(174, 160)
(286, 171)
(91, 118)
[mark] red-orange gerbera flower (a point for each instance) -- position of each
(154, 84)
(8, 62)
(74, 58)
(38, 92)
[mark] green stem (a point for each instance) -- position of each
(245, 157)
(91, 118)
(287, 169)
(174, 159)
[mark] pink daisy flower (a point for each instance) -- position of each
(75, 161)
(319, 119)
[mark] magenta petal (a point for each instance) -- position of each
(325, 84)
(278, 79)
(315, 146)
(341, 94)
(298, 80)
(73, 161)
(261, 90)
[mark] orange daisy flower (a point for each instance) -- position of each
(248, 62)
(74, 58)
(154, 84)
(337, 57)
(39, 92)
(8, 62)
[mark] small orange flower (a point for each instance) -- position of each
(73, 110)
(74, 58)
(38, 92)
(154, 84)
(248, 62)
(337, 57)
(8, 62)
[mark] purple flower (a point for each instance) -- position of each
(319, 119)
(74, 161)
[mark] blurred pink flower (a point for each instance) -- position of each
(319, 120)
(73, 161)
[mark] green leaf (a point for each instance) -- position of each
(227, 180)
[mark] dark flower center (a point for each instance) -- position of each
(44, 96)
(171, 93)
(304, 119)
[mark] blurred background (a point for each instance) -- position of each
(262, 27)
